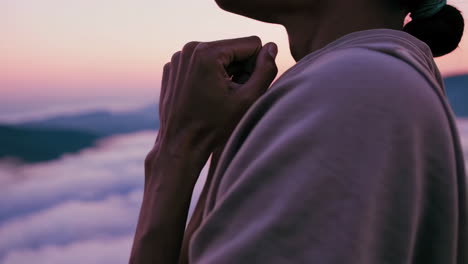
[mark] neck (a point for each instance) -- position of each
(311, 30)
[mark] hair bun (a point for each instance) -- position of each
(442, 32)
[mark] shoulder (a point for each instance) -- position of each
(342, 80)
(365, 70)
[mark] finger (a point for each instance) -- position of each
(235, 50)
(165, 81)
(264, 73)
(174, 67)
(169, 92)
(188, 49)
(186, 56)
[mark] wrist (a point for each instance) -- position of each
(175, 164)
(186, 147)
(184, 151)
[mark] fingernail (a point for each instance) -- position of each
(273, 50)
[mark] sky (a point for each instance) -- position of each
(65, 56)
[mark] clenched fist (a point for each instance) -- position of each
(207, 88)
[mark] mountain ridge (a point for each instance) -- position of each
(38, 145)
(102, 122)
(456, 88)
(49, 138)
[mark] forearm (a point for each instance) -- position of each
(197, 216)
(169, 183)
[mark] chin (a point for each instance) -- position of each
(262, 10)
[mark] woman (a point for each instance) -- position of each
(352, 156)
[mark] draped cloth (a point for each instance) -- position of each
(352, 156)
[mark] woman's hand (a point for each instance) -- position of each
(207, 88)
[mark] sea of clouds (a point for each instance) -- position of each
(82, 208)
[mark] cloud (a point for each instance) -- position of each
(72, 221)
(82, 208)
(115, 166)
(82, 204)
(99, 251)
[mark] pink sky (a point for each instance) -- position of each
(109, 53)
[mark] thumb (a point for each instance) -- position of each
(264, 73)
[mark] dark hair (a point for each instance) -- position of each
(442, 32)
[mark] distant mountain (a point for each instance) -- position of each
(101, 122)
(50, 138)
(457, 93)
(35, 145)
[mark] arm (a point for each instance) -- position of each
(169, 181)
(197, 215)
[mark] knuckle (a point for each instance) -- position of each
(256, 39)
(176, 56)
(203, 48)
(205, 52)
(167, 66)
(189, 47)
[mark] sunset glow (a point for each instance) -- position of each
(55, 50)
